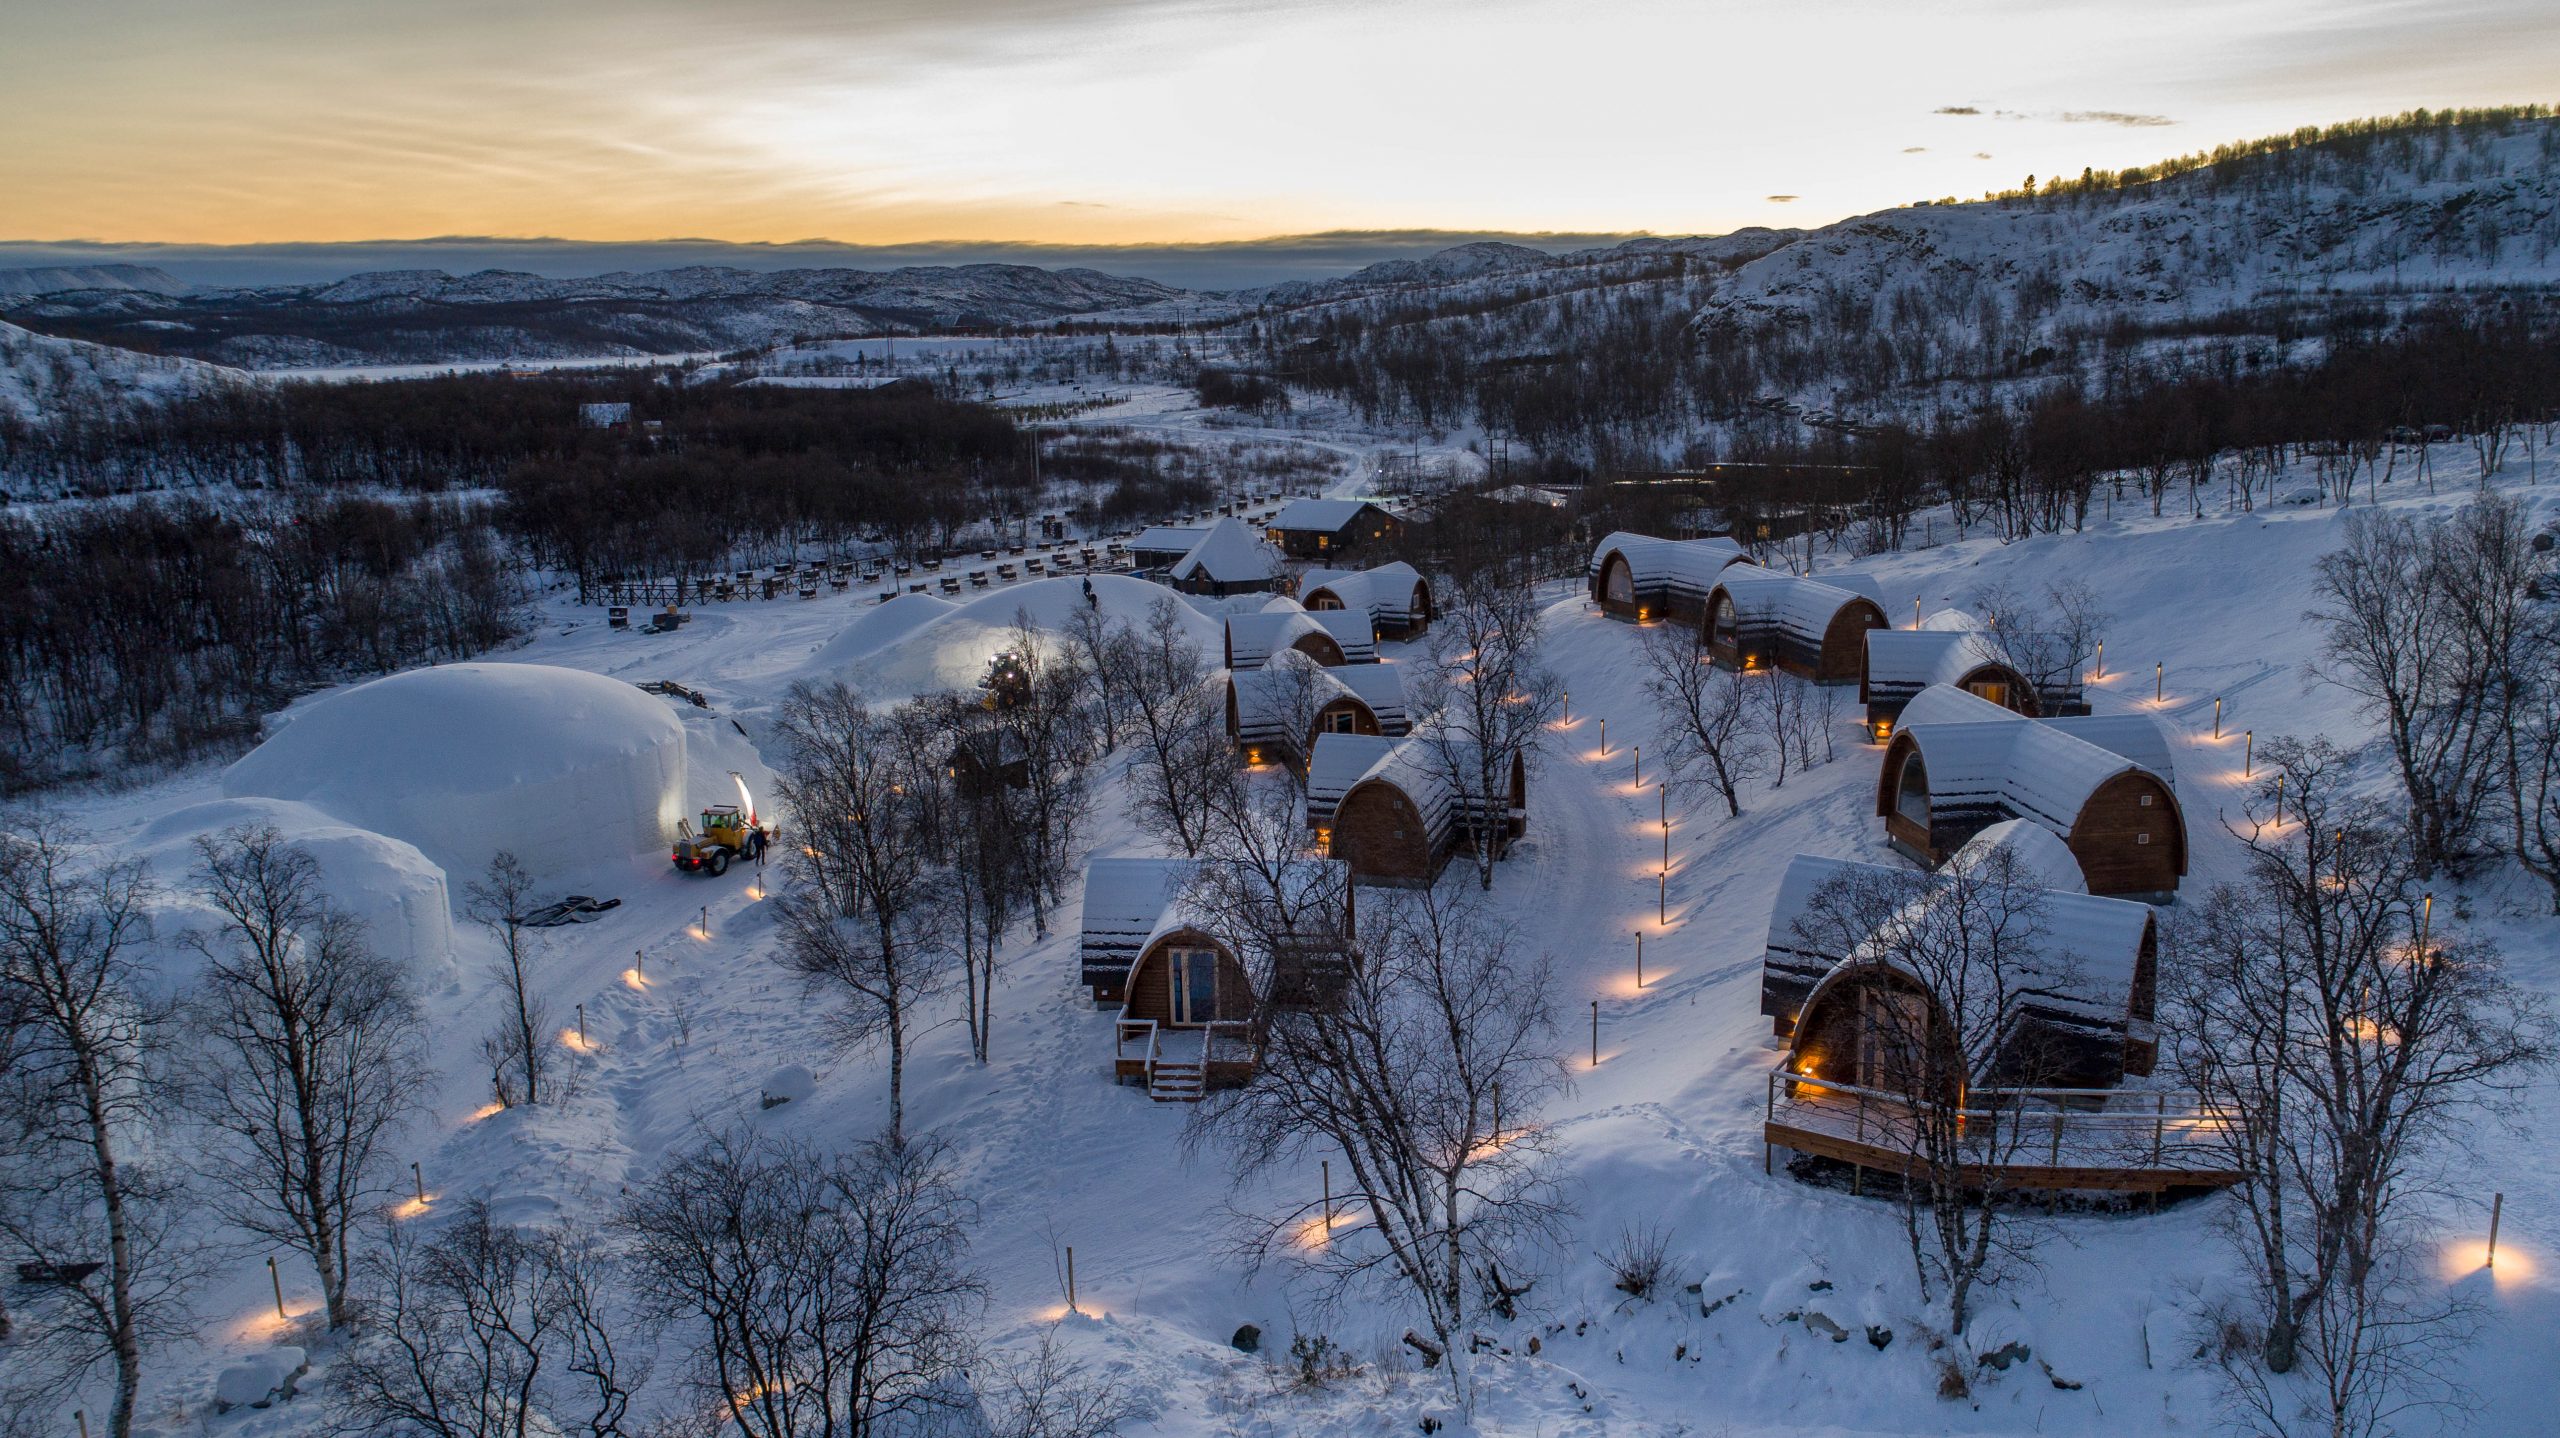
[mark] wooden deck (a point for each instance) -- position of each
(2104, 1140)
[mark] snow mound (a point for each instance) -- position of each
(560, 766)
(948, 650)
(399, 893)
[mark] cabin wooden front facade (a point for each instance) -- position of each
(1401, 822)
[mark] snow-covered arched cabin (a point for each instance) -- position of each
(2074, 1003)
(1399, 822)
(1333, 637)
(1637, 576)
(1817, 631)
(1395, 596)
(1960, 764)
(1276, 713)
(1153, 940)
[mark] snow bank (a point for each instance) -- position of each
(561, 766)
(399, 893)
(902, 649)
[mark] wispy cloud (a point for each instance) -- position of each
(1915, 149)
(1782, 199)
(2126, 118)
(1957, 110)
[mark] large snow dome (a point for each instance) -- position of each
(399, 894)
(560, 766)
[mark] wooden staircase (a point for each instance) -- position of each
(1171, 1081)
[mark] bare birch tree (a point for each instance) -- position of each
(821, 1295)
(488, 1331)
(1490, 703)
(1950, 956)
(2350, 1034)
(1710, 743)
(1180, 754)
(305, 1053)
(518, 1050)
(1425, 1073)
(862, 927)
(85, 1190)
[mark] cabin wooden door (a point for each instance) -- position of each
(1893, 1025)
(1195, 986)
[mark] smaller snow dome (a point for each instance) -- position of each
(946, 648)
(788, 1084)
(398, 893)
(559, 766)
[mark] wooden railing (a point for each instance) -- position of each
(2145, 1136)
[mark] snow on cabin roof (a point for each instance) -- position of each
(2038, 852)
(1253, 639)
(1384, 593)
(1326, 516)
(2137, 737)
(1264, 697)
(1168, 539)
(1951, 620)
(2025, 769)
(1691, 564)
(1124, 899)
(1795, 604)
(1230, 553)
(1340, 761)
(1381, 687)
(1909, 660)
(1312, 899)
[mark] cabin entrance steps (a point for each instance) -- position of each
(1180, 1072)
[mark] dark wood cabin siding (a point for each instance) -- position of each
(1844, 644)
(1150, 992)
(1379, 833)
(2130, 838)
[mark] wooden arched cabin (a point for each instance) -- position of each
(1640, 577)
(1276, 714)
(2075, 1012)
(1333, 638)
(1402, 819)
(1963, 764)
(1901, 662)
(1190, 1012)
(1758, 620)
(1395, 596)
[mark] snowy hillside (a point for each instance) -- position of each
(41, 376)
(52, 279)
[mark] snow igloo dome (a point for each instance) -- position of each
(562, 767)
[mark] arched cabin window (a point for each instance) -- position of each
(1619, 583)
(1995, 690)
(1722, 628)
(1911, 801)
(1193, 981)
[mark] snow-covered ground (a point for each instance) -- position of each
(686, 1013)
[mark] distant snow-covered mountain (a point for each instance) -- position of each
(50, 279)
(41, 376)
(429, 316)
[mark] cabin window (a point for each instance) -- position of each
(1621, 586)
(1912, 801)
(2142, 838)
(1893, 1030)
(1194, 979)
(2146, 801)
(1342, 722)
(1724, 630)
(1991, 689)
